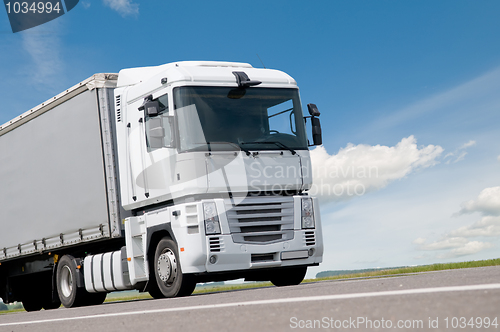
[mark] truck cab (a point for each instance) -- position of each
(222, 148)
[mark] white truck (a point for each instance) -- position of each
(155, 179)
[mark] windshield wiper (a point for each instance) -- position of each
(281, 145)
(230, 143)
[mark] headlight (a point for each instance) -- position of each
(212, 225)
(307, 213)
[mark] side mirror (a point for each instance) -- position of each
(316, 125)
(159, 132)
(150, 107)
(313, 110)
(316, 131)
(237, 93)
(155, 133)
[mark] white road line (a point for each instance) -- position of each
(273, 301)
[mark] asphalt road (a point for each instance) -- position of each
(437, 301)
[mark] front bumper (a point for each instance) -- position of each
(305, 248)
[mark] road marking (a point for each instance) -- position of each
(273, 301)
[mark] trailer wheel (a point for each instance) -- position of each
(289, 276)
(32, 303)
(69, 294)
(170, 280)
(95, 298)
(51, 305)
(47, 302)
(36, 292)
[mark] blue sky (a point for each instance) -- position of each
(409, 87)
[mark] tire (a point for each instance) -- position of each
(48, 303)
(69, 294)
(170, 281)
(189, 284)
(37, 293)
(289, 276)
(33, 303)
(51, 305)
(94, 298)
(154, 290)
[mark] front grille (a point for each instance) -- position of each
(261, 220)
(259, 229)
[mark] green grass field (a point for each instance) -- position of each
(413, 269)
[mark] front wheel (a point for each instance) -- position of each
(170, 280)
(289, 276)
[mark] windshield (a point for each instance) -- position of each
(219, 118)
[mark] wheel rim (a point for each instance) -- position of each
(167, 267)
(66, 283)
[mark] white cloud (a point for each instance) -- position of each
(86, 4)
(457, 241)
(420, 240)
(123, 7)
(487, 203)
(460, 153)
(453, 246)
(498, 158)
(44, 50)
(445, 243)
(358, 169)
(487, 226)
(468, 144)
(469, 248)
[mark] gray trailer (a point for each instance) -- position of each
(59, 187)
